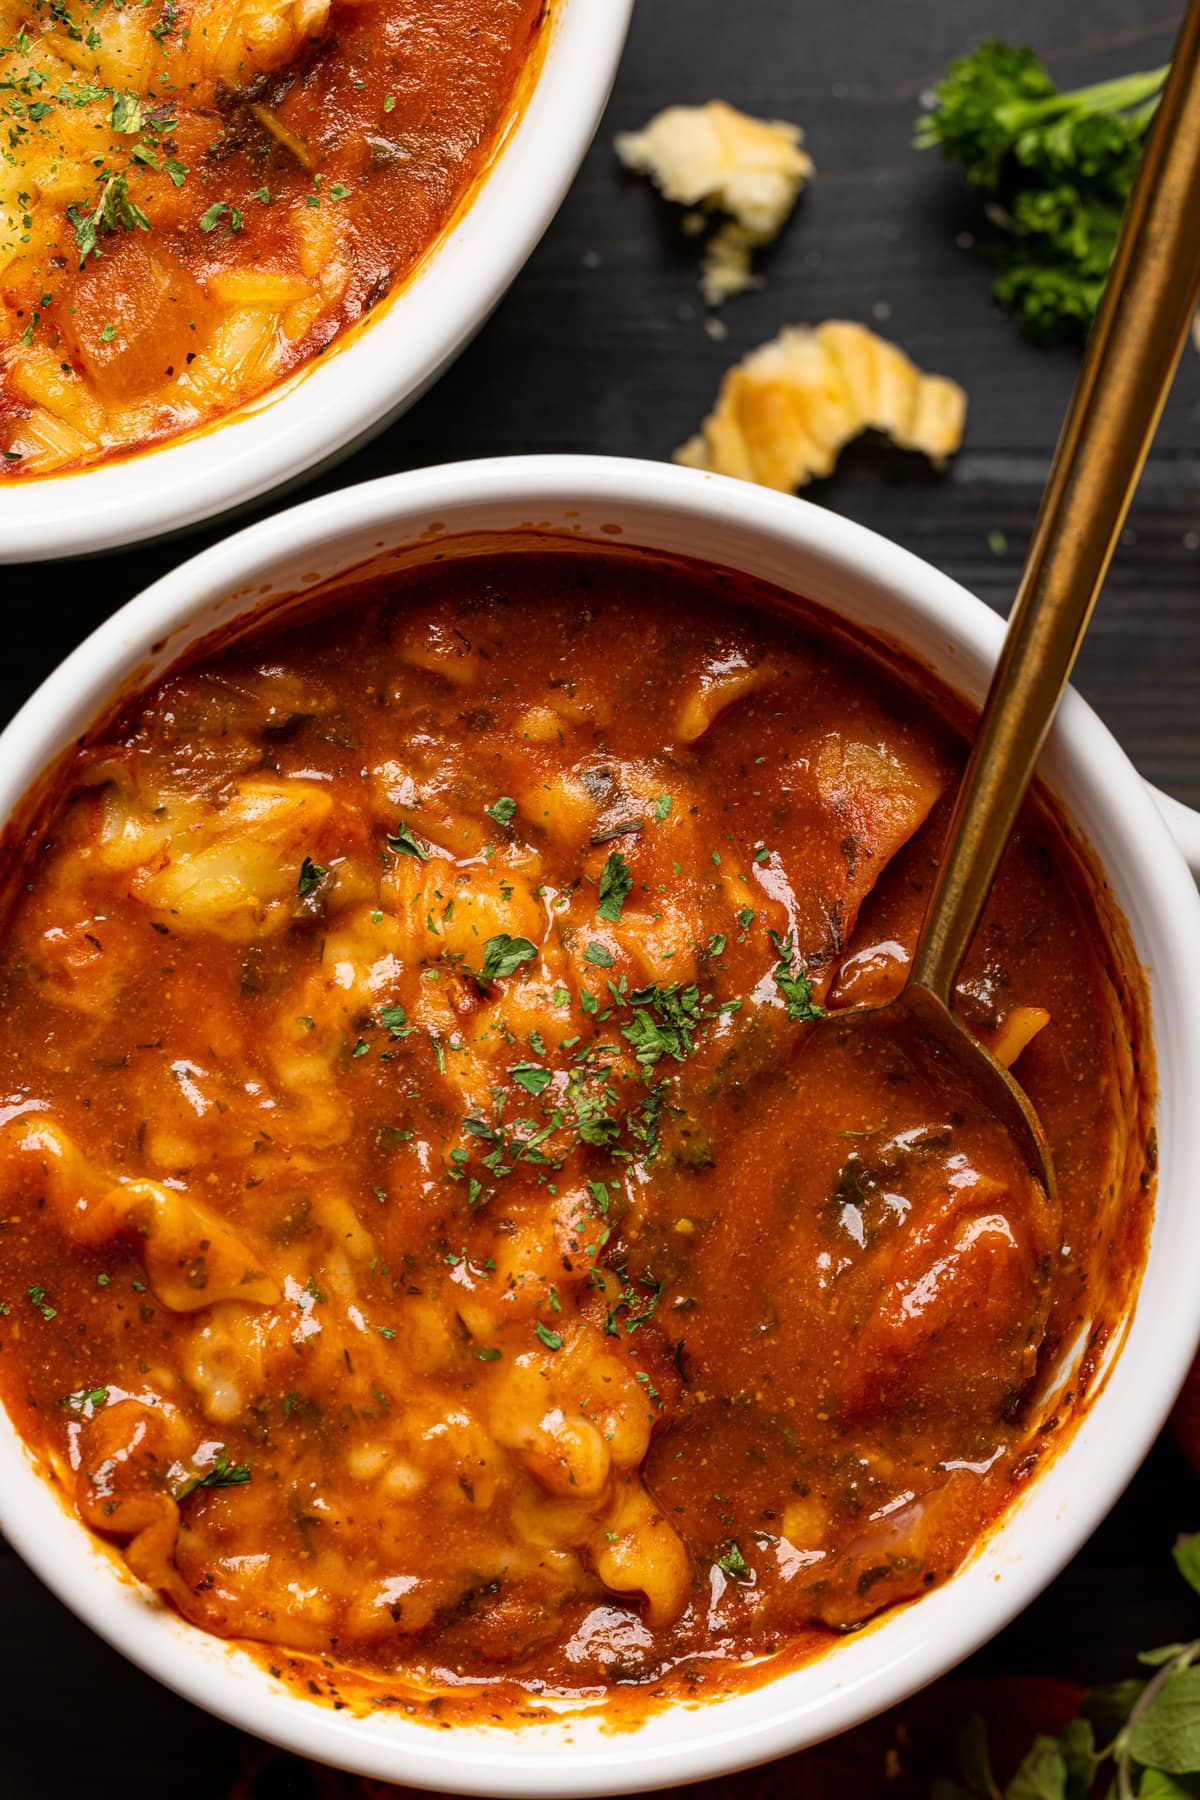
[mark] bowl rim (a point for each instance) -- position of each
(876, 1668)
(382, 365)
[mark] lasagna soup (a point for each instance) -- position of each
(197, 196)
(445, 1239)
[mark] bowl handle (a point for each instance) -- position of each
(1183, 824)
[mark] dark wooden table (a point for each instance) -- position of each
(601, 347)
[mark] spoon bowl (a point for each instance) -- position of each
(1148, 304)
(929, 1027)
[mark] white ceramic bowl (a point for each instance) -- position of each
(870, 582)
(379, 368)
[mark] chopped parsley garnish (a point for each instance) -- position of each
(311, 875)
(85, 1400)
(551, 1339)
(503, 955)
(222, 1474)
(532, 1077)
(793, 983)
(390, 1137)
(616, 882)
(502, 810)
(394, 1020)
(126, 115)
(598, 956)
(403, 843)
(733, 1563)
(662, 806)
(38, 1297)
(487, 1355)
(114, 211)
(210, 219)
(599, 1194)
(664, 1022)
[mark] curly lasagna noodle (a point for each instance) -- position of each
(197, 196)
(444, 1238)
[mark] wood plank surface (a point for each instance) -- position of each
(601, 346)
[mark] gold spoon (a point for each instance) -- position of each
(1152, 293)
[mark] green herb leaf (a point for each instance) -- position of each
(551, 1339)
(1186, 1552)
(616, 882)
(1042, 1774)
(599, 956)
(403, 843)
(733, 1563)
(1057, 169)
(662, 806)
(502, 810)
(223, 1473)
(1156, 1659)
(1167, 1735)
(503, 955)
(311, 875)
(37, 1296)
(85, 1400)
(394, 1020)
(1078, 1745)
(1154, 1785)
(1108, 1706)
(974, 1758)
(793, 983)
(599, 1193)
(531, 1076)
(126, 114)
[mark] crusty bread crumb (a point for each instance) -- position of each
(717, 157)
(785, 412)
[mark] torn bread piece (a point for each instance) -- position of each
(717, 157)
(784, 413)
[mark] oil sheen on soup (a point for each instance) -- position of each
(445, 1238)
(198, 196)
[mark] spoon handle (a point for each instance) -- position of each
(1148, 303)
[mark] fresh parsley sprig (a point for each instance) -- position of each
(1057, 170)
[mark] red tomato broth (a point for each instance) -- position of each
(311, 158)
(692, 1423)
